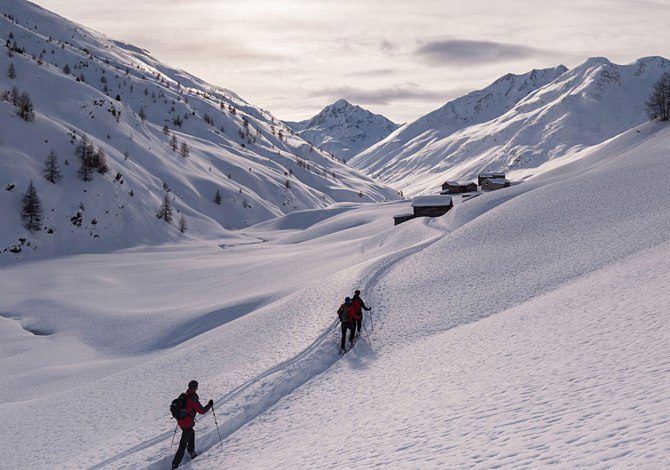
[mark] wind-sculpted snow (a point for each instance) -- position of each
(523, 328)
(517, 124)
(259, 167)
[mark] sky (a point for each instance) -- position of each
(400, 58)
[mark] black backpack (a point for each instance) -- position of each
(178, 407)
(343, 314)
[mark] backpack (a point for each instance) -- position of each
(178, 407)
(343, 313)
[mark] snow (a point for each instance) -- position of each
(517, 124)
(431, 201)
(540, 343)
(343, 129)
(259, 175)
(526, 328)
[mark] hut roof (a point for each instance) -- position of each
(458, 183)
(431, 201)
(498, 180)
(408, 214)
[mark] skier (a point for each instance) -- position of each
(359, 306)
(348, 317)
(186, 424)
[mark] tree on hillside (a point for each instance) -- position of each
(173, 143)
(86, 152)
(184, 151)
(166, 130)
(182, 224)
(26, 110)
(66, 69)
(165, 211)
(31, 213)
(51, 168)
(142, 114)
(100, 161)
(11, 71)
(217, 197)
(658, 103)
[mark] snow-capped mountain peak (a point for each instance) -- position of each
(344, 129)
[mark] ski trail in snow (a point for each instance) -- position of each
(249, 400)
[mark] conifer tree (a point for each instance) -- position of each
(11, 71)
(66, 69)
(165, 211)
(184, 151)
(31, 213)
(142, 114)
(86, 154)
(182, 224)
(25, 110)
(173, 143)
(217, 197)
(658, 103)
(100, 161)
(51, 168)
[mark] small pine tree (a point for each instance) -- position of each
(51, 169)
(86, 154)
(25, 107)
(142, 114)
(100, 161)
(166, 130)
(217, 197)
(658, 103)
(173, 143)
(11, 71)
(165, 211)
(182, 225)
(31, 213)
(66, 69)
(184, 151)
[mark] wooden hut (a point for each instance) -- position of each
(489, 175)
(400, 218)
(491, 184)
(458, 187)
(431, 206)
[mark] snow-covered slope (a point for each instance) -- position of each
(259, 168)
(343, 129)
(554, 115)
(525, 328)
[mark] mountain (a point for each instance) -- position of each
(516, 124)
(343, 129)
(125, 102)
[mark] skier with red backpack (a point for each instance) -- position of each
(359, 306)
(184, 409)
(348, 317)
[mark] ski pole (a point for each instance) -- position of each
(174, 434)
(217, 426)
(366, 333)
(372, 324)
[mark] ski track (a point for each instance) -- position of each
(249, 400)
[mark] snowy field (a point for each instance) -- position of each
(526, 328)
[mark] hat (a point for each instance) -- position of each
(357, 292)
(347, 300)
(193, 384)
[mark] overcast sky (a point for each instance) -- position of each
(400, 58)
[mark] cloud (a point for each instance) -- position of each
(380, 96)
(460, 51)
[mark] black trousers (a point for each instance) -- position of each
(351, 326)
(358, 322)
(187, 441)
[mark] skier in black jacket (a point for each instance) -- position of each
(359, 305)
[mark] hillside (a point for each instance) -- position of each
(524, 328)
(127, 103)
(554, 116)
(343, 129)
